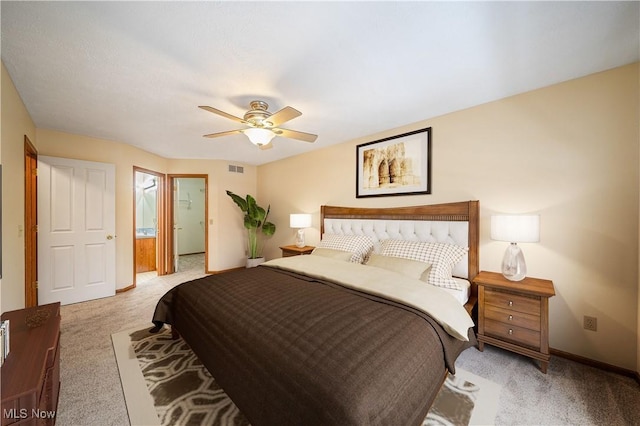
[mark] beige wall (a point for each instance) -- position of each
(568, 152)
(16, 123)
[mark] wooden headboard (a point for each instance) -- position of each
(464, 211)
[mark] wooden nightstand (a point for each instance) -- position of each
(514, 315)
(295, 250)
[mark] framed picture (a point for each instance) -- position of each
(398, 165)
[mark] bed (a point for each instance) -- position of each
(324, 339)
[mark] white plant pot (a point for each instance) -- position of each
(252, 263)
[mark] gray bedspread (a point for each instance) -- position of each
(292, 350)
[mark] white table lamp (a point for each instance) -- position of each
(515, 229)
(300, 221)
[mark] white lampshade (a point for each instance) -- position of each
(515, 228)
(300, 220)
(259, 136)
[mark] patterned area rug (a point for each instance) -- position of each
(165, 384)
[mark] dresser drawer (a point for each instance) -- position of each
(507, 332)
(512, 317)
(512, 301)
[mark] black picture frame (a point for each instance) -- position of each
(397, 165)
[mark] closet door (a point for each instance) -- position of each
(76, 230)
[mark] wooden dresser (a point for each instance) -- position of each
(514, 315)
(31, 371)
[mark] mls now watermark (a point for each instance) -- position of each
(23, 413)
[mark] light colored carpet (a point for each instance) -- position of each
(91, 392)
(165, 384)
(569, 394)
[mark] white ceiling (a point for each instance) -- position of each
(135, 72)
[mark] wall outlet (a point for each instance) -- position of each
(590, 323)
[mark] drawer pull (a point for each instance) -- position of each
(510, 331)
(510, 303)
(510, 317)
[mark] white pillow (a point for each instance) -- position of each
(411, 268)
(332, 253)
(358, 245)
(441, 256)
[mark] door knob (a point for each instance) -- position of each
(109, 237)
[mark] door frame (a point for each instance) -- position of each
(169, 230)
(30, 224)
(161, 234)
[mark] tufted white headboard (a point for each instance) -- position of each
(453, 223)
(412, 230)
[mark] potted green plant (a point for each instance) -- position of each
(255, 220)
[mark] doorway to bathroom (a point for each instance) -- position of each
(188, 206)
(149, 218)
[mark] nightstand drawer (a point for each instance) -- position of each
(512, 317)
(515, 334)
(512, 301)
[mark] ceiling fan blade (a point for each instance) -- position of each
(294, 134)
(266, 146)
(224, 114)
(227, 133)
(282, 116)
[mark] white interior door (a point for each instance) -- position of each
(76, 230)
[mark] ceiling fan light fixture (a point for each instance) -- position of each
(259, 137)
(262, 125)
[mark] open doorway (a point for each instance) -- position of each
(188, 240)
(148, 215)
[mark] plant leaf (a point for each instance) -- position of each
(268, 228)
(238, 200)
(249, 222)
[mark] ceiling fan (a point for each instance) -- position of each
(263, 125)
